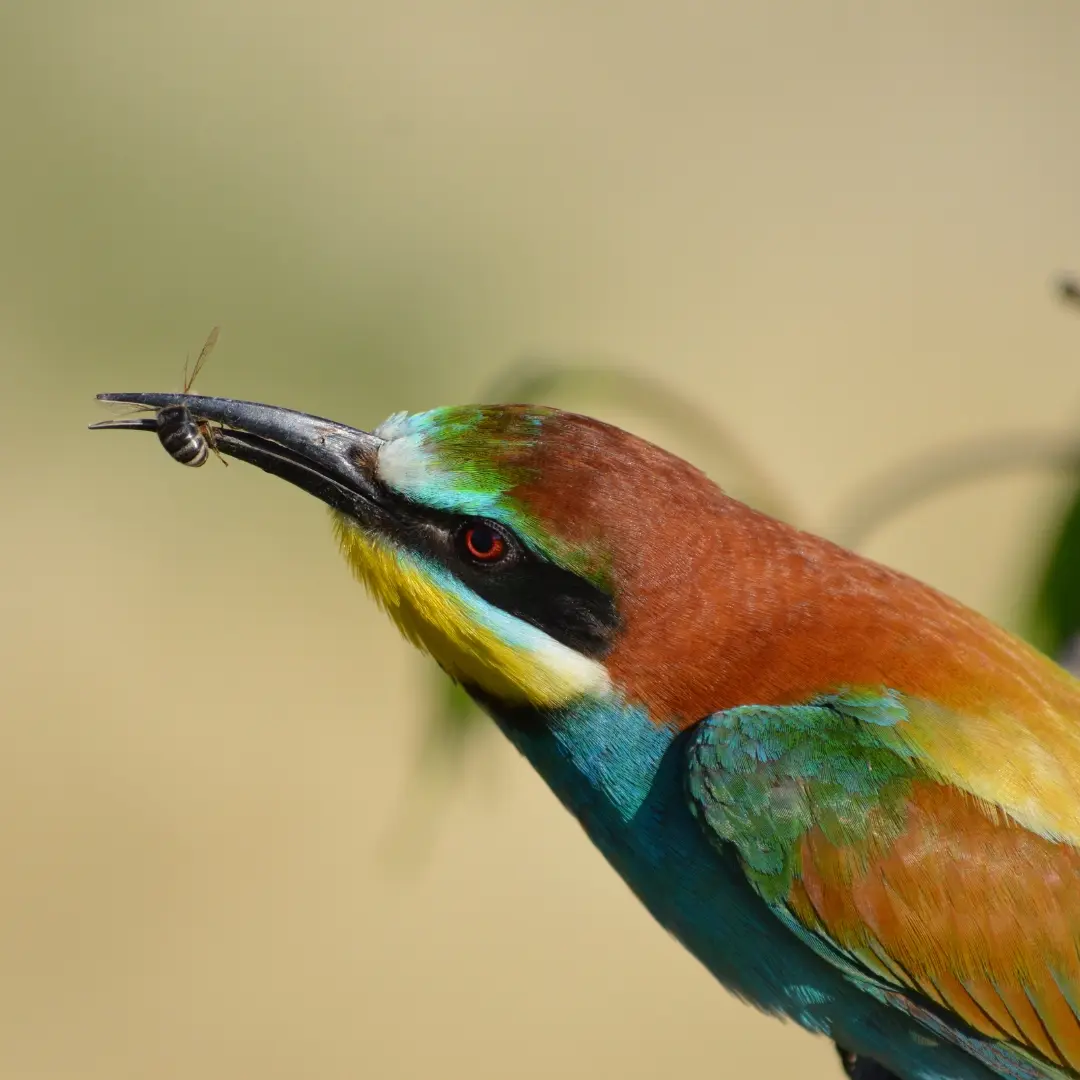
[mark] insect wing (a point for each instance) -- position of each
(207, 349)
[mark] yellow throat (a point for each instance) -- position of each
(471, 640)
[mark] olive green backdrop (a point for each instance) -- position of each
(831, 225)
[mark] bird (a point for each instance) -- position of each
(855, 800)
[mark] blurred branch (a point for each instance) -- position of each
(1069, 290)
(902, 487)
(896, 490)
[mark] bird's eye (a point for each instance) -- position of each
(481, 542)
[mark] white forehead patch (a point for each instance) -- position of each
(403, 465)
(393, 426)
(406, 465)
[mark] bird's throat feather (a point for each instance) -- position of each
(475, 642)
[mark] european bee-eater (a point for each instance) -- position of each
(856, 801)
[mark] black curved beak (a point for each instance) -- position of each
(331, 461)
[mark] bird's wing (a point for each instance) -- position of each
(869, 852)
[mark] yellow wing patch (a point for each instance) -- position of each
(1020, 755)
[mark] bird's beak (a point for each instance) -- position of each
(331, 461)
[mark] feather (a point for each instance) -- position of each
(844, 824)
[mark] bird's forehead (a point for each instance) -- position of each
(477, 425)
(517, 464)
(469, 459)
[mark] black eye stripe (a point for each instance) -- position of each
(570, 609)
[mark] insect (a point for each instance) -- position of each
(186, 439)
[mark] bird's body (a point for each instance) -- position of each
(854, 800)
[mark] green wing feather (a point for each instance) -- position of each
(916, 889)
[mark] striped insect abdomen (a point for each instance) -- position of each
(181, 436)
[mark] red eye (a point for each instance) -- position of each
(483, 543)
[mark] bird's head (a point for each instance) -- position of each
(537, 555)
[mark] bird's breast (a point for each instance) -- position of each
(623, 778)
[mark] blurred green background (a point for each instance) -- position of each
(832, 227)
